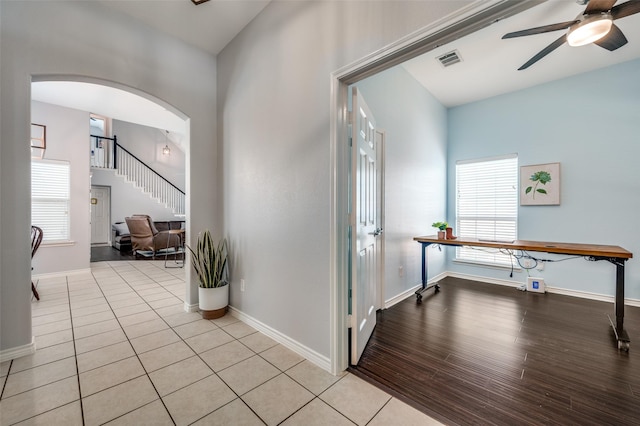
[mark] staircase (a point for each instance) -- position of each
(106, 153)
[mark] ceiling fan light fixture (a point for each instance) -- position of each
(591, 29)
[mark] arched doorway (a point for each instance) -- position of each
(70, 98)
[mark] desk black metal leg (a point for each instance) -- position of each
(424, 287)
(621, 333)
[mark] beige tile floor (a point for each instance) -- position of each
(115, 346)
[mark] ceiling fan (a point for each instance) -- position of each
(594, 25)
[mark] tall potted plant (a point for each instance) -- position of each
(210, 262)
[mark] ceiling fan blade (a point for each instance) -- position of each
(544, 52)
(613, 40)
(597, 6)
(625, 9)
(540, 30)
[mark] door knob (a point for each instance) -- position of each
(377, 232)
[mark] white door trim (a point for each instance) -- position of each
(467, 20)
(381, 136)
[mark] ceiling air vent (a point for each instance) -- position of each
(450, 58)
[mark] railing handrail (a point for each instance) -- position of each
(115, 161)
(104, 137)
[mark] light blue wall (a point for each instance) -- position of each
(590, 123)
(415, 125)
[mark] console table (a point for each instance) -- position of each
(594, 252)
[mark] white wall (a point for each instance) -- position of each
(274, 100)
(415, 172)
(67, 140)
(594, 135)
(59, 38)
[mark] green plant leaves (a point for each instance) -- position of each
(540, 177)
(210, 261)
(440, 225)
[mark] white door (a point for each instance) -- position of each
(100, 212)
(364, 223)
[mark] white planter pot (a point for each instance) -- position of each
(213, 302)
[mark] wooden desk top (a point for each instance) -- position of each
(542, 246)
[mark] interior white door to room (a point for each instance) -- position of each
(100, 214)
(364, 225)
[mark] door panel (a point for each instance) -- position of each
(364, 222)
(100, 214)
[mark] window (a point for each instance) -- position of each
(50, 195)
(487, 206)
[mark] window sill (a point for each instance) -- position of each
(488, 265)
(58, 244)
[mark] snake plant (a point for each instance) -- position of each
(210, 261)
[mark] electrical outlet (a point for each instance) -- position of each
(527, 263)
(540, 266)
(400, 271)
(242, 284)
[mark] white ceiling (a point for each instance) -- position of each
(107, 101)
(489, 64)
(209, 26)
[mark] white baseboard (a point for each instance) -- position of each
(408, 293)
(554, 290)
(60, 274)
(311, 355)
(508, 283)
(19, 351)
(190, 308)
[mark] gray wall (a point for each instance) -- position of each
(67, 140)
(594, 135)
(273, 104)
(415, 124)
(59, 38)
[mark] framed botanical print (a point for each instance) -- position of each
(540, 185)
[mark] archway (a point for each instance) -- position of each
(119, 102)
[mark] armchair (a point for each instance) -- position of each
(145, 236)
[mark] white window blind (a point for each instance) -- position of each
(50, 196)
(487, 206)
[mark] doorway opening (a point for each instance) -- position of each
(468, 21)
(78, 107)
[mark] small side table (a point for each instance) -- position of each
(177, 263)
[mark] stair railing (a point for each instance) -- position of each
(107, 153)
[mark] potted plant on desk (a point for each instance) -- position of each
(210, 263)
(442, 226)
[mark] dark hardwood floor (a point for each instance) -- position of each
(108, 253)
(478, 353)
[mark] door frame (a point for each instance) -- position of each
(466, 21)
(381, 153)
(109, 242)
